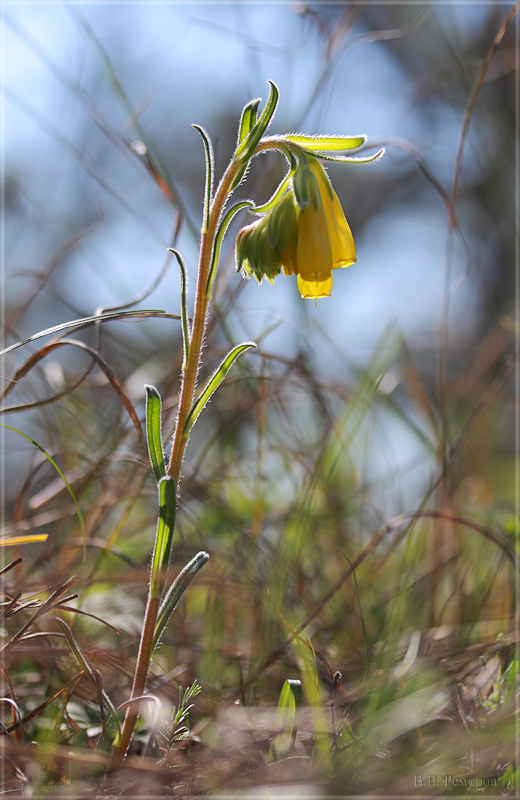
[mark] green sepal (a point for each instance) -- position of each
(175, 592)
(210, 168)
(241, 251)
(302, 183)
(213, 384)
(164, 535)
(347, 160)
(282, 227)
(153, 431)
(317, 144)
(248, 119)
(224, 225)
(246, 148)
(184, 306)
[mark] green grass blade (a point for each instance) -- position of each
(210, 168)
(224, 225)
(64, 479)
(365, 639)
(175, 592)
(164, 535)
(76, 323)
(153, 431)
(290, 699)
(213, 384)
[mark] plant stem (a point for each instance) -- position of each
(140, 675)
(187, 395)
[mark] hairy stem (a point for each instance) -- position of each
(189, 382)
(186, 399)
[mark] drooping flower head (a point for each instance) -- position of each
(303, 233)
(302, 229)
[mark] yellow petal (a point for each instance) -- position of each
(314, 289)
(313, 251)
(341, 239)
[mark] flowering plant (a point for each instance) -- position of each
(301, 230)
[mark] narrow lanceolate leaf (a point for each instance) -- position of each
(280, 191)
(246, 148)
(184, 306)
(175, 592)
(347, 160)
(248, 119)
(153, 431)
(210, 163)
(224, 225)
(319, 144)
(64, 479)
(247, 123)
(214, 383)
(164, 535)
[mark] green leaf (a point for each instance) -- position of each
(290, 699)
(164, 535)
(246, 148)
(64, 479)
(335, 144)
(210, 168)
(184, 306)
(83, 322)
(248, 119)
(175, 592)
(347, 160)
(213, 384)
(218, 241)
(153, 431)
(280, 191)
(247, 123)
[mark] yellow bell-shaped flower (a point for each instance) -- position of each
(305, 234)
(324, 241)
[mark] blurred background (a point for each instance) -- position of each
(393, 396)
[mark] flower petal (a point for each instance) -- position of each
(314, 289)
(341, 239)
(313, 251)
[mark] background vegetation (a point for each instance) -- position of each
(375, 432)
